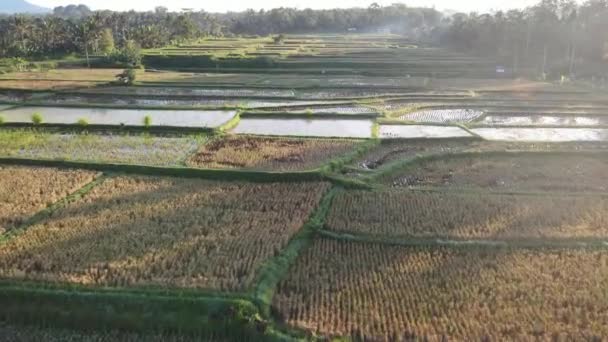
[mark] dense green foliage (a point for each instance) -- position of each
(554, 38)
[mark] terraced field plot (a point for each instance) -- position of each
(421, 131)
(544, 120)
(353, 110)
(443, 115)
(276, 154)
(159, 101)
(542, 134)
(389, 151)
(505, 172)
(26, 191)
(120, 117)
(166, 232)
(343, 128)
(379, 292)
(124, 149)
(183, 91)
(405, 214)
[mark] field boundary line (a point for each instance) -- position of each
(466, 243)
(58, 205)
(138, 312)
(275, 269)
(184, 172)
(271, 273)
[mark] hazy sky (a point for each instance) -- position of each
(240, 5)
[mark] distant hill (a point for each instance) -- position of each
(20, 6)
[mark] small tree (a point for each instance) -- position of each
(106, 42)
(36, 118)
(127, 77)
(82, 122)
(147, 121)
(130, 55)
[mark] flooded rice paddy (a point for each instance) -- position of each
(120, 117)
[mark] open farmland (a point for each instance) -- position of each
(25, 191)
(277, 154)
(377, 292)
(362, 187)
(405, 214)
(113, 148)
(146, 231)
(508, 172)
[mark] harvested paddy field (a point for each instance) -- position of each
(528, 172)
(163, 232)
(27, 190)
(390, 151)
(275, 154)
(139, 149)
(378, 292)
(428, 215)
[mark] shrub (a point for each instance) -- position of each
(147, 121)
(1, 119)
(37, 118)
(127, 77)
(82, 122)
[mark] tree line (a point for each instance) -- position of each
(78, 29)
(552, 37)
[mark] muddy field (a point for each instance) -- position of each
(504, 172)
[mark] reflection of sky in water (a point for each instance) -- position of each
(128, 117)
(419, 131)
(543, 120)
(543, 134)
(346, 128)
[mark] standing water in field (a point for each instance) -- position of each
(543, 134)
(350, 128)
(543, 120)
(420, 131)
(443, 115)
(120, 117)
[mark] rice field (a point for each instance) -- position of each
(444, 116)
(380, 293)
(274, 154)
(525, 172)
(543, 134)
(421, 131)
(162, 232)
(26, 191)
(406, 214)
(357, 187)
(139, 149)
